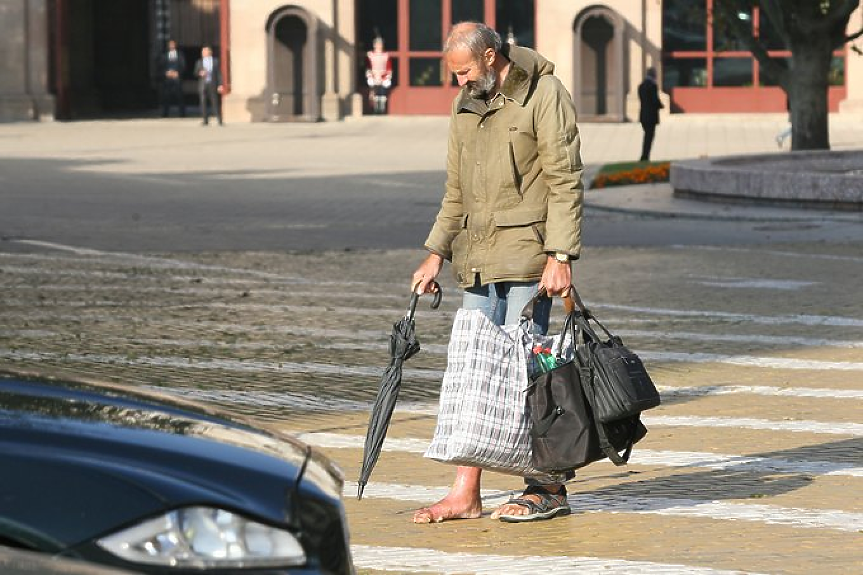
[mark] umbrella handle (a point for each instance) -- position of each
(415, 297)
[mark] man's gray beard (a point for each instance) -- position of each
(482, 87)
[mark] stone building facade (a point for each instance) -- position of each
(24, 54)
(302, 60)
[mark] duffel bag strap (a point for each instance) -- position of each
(604, 443)
(608, 448)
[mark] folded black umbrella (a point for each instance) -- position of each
(403, 345)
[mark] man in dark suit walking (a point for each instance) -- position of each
(648, 96)
(209, 84)
(172, 64)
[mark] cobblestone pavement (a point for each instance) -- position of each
(753, 462)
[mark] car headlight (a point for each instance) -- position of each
(205, 538)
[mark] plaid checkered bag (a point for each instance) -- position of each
(483, 419)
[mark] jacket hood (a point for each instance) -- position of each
(528, 60)
(527, 67)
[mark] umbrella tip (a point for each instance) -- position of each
(360, 488)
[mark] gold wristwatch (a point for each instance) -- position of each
(561, 257)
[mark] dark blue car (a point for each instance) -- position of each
(153, 484)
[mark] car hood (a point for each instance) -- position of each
(81, 460)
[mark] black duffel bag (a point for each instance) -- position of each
(564, 433)
(618, 385)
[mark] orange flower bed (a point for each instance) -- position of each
(647, 174)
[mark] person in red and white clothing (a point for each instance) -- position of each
(379, 75)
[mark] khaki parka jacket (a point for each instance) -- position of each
(513, 190)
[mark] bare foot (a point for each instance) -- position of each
(448, 508)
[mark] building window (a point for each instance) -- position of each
(426, 72)
(703, 50)
(468, 11)
(726, 34)
(732, 71)
(425, 31)
(514, 21)
(684, 26)
(837, 71)
(686, 72)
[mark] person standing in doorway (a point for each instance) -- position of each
(172, 65)
(648, 97)
(209, 84)
(379, 75)
(509, 222)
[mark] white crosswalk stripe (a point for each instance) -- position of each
(800, 426)
(420, 560)
(318, 404)
(654, 505)
(639, 456)
(249, 366)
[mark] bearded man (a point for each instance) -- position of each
(510, 219)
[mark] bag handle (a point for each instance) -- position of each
(528, 309)
(571, 300)
(584, 324)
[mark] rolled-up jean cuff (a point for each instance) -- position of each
(551, 479)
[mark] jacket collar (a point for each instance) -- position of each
(517, 84)
(516, 87)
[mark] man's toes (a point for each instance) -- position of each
(507, 510)
(502, 510)
(426, 515)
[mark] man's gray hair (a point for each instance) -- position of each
(475, 37)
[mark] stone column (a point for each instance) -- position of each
(620, 65)
(331, 108)
(40, 54)
(346, 60)
(24, 61)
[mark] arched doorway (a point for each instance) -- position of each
(292, 80)
(600, 79)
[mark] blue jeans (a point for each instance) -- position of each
(502, 303)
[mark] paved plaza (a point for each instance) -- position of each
(749, 319)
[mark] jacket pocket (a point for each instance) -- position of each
(539, 232)
(523, 153)
(518, 250)
(513, 166)
(519, 216)
(460, 246)
(521, 226)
